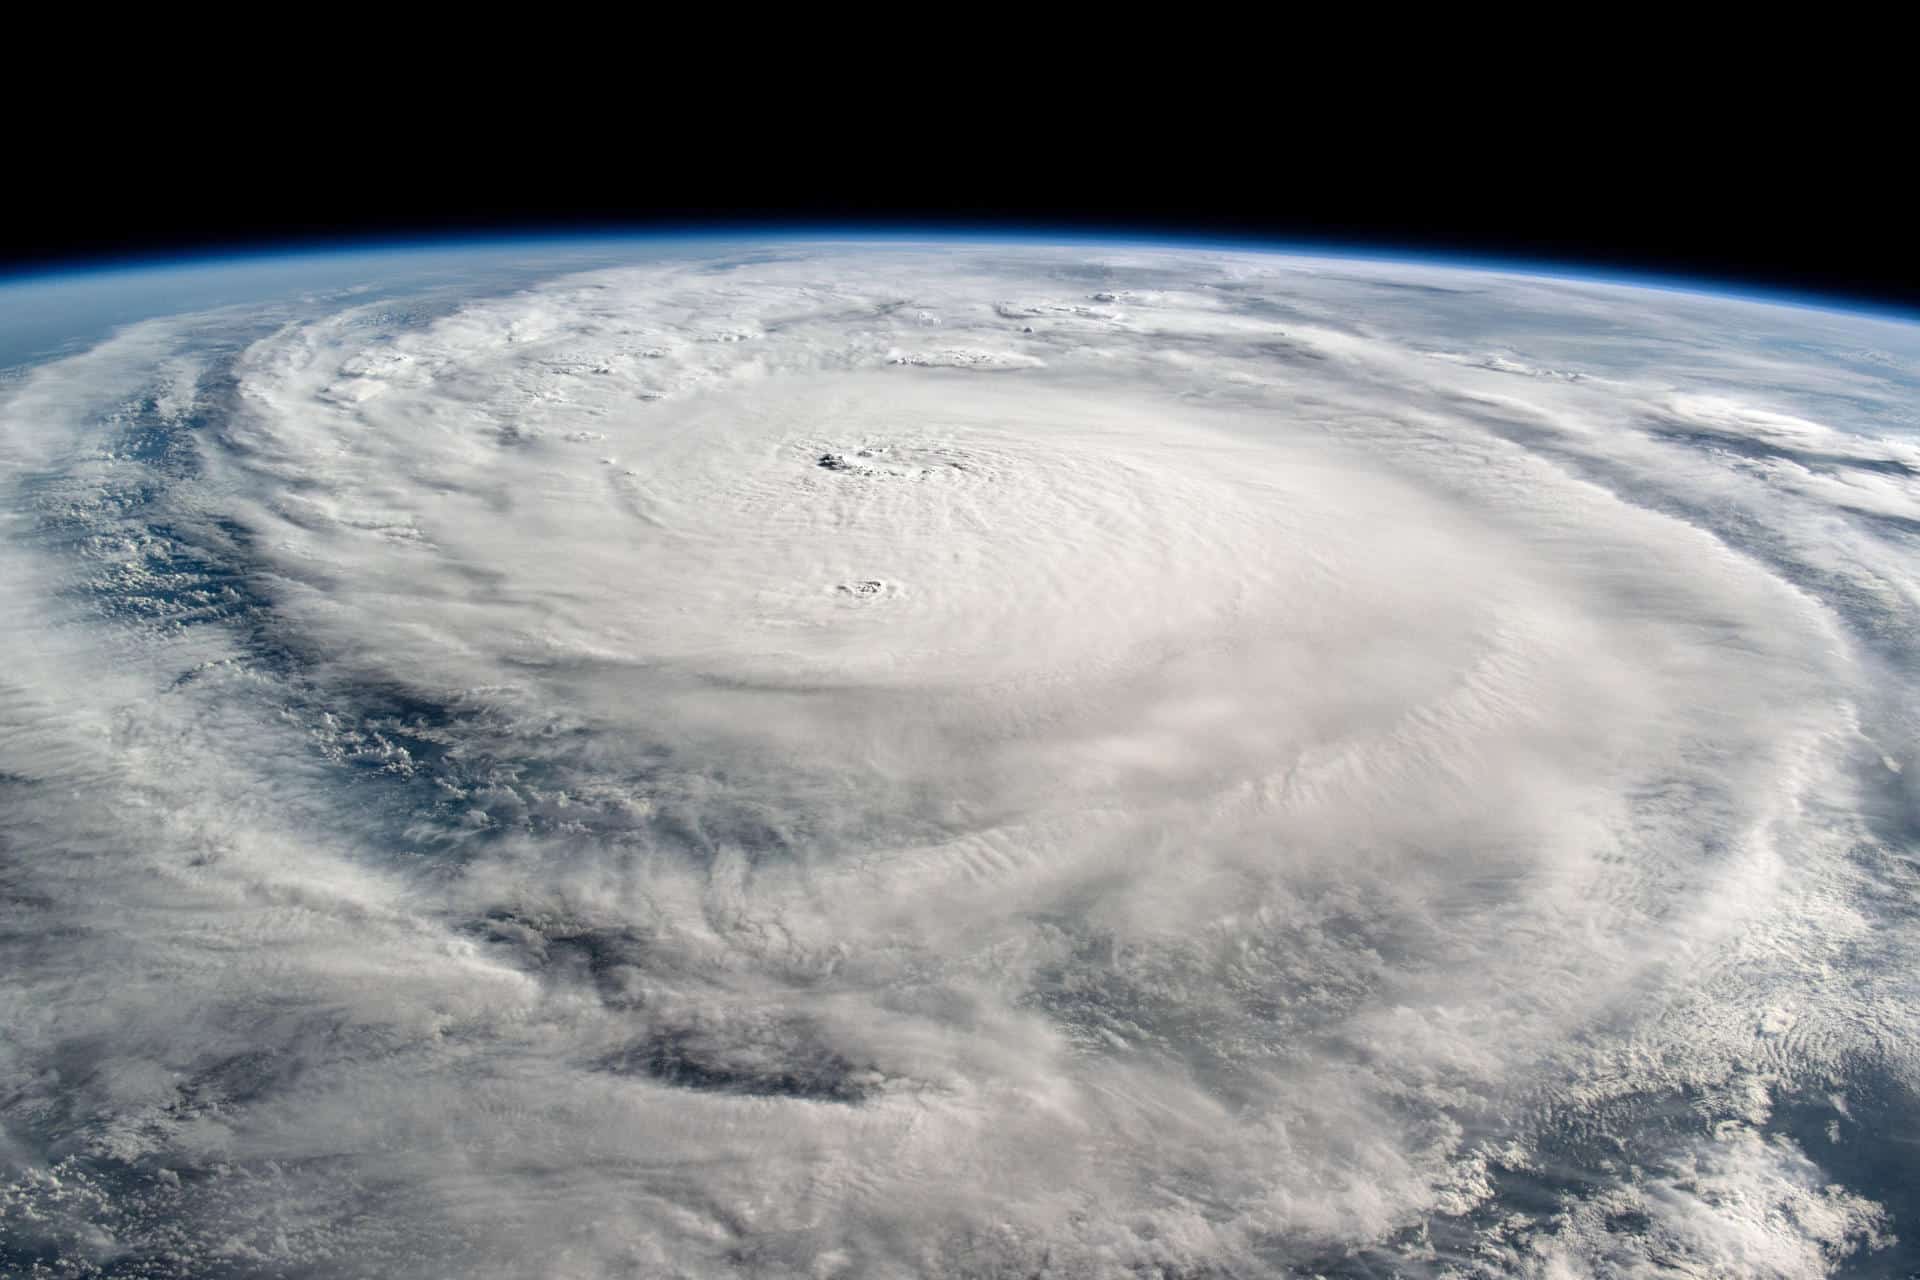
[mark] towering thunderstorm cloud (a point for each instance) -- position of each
(875, 760)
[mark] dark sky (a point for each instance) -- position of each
(1754, 208)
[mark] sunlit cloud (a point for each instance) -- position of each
(904, 761)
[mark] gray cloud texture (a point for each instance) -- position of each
(889, 761)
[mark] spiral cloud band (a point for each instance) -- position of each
(891, 760)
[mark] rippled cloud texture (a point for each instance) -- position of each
(878, 761)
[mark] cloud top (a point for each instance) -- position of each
(887, 761)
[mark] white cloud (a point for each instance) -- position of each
(1179, 787)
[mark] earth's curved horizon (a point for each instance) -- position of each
(756, 757)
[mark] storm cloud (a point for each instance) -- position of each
(891, 761)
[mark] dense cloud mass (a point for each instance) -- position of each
(892, 761)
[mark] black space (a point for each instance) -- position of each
(1757, 208)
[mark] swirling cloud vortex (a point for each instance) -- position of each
(875, 760)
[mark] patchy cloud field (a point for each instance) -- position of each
(976, 760)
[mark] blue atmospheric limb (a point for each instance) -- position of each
(318, 253)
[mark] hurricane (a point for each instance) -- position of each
(892, 758)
